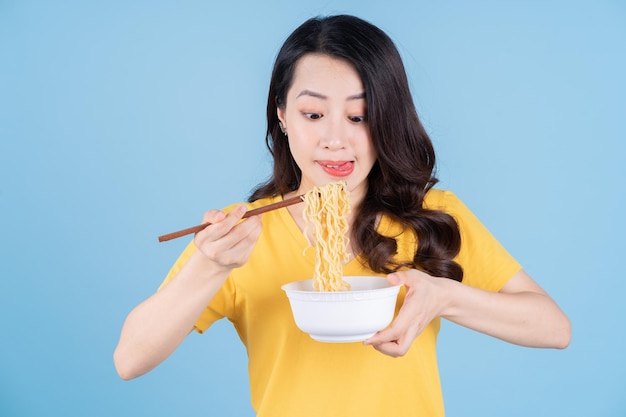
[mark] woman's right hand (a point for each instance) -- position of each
(228, 241)
(157, 326)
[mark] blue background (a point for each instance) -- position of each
(122, 121)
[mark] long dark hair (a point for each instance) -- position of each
(404, 170)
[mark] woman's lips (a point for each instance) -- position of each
(337, 168)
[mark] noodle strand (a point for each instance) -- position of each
(326, 208)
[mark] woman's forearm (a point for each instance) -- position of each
(520, 313)
(157, 326)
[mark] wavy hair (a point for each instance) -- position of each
(404, 170)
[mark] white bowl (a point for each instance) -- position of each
(343, 316)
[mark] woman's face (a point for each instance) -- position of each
(324, 117)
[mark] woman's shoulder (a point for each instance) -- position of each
(264, 201)
(439, 199)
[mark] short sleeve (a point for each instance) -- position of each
(220, 306)
(182, 260)
(486, 263)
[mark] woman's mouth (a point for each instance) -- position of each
(337, 168)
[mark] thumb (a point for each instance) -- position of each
(395, 279)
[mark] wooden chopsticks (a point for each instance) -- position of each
(254, 212)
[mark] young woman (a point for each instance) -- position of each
(339, 108)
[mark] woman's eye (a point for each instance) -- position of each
(357, 119)
(313, 116)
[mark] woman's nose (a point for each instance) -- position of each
(335, 135)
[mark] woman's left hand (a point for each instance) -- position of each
(520, 312)
(425, 299)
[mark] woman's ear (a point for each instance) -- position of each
(280, 112)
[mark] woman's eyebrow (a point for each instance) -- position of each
(356, 96)
(310, 93)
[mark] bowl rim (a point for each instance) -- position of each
(348, 277)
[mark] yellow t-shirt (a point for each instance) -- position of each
(294, 375)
